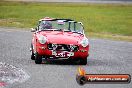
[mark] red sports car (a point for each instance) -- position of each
(58, 39)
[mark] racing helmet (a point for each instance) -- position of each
(46, 24)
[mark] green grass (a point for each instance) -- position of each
(97, 18)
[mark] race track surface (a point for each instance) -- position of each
(106, 57)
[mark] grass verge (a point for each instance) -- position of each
(100, 20)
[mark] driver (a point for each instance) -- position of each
(46, 25)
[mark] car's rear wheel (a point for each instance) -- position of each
(32, 53)
(38, 58)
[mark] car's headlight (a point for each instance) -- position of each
(42, 39)
(84, 42)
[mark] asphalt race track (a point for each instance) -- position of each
(106, 57)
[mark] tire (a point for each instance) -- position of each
(81, 61)
(38, 58)
(32, 53)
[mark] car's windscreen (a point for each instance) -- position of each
(61, 25)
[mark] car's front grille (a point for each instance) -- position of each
(63, 47)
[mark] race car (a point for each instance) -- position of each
(57, 39)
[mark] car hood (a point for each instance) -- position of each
(61, 37)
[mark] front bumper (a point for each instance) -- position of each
(81, 53)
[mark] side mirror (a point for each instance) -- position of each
(33, 30)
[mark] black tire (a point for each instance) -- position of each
(38, 58)
(32, 53)
(81, 61)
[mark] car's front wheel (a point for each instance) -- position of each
(38, 58)
(32, 53)
(81, 61)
